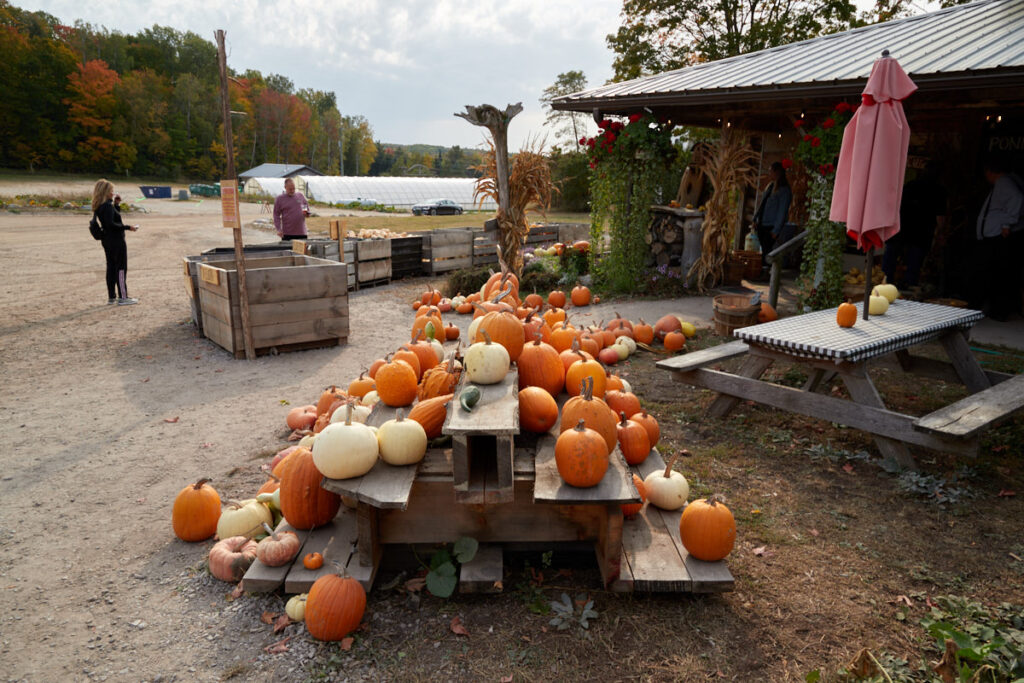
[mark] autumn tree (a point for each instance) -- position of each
(91, 109)
(565, 125)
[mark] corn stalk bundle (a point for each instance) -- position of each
(728, 164)
(530, 189)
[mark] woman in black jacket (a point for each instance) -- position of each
(105, 206)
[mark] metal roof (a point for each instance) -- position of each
(279, 171)
(974, 41)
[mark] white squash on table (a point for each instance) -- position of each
(486, 362)
(888, 291)
(878, 305)
(402, 441)
(438, 350)
(243, 518)
(667, 489)
(344, 450)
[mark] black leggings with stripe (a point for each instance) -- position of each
(117, 267)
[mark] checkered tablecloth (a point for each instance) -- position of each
(816, 335)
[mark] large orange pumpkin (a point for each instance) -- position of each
(581, 456)
(633, 440)
(503, 328)
(334, 607)
(304, 503)
(580, 296)
(540, 366)
(595, 414)
(538, 411)
(707, 529)
(431, 414)
(196, 511)
(557, 299)
(396, 384)
(439, 380)
(581, 370)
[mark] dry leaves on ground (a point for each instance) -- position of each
(457, 627)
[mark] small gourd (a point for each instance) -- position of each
(245, 518)
(402, 441)
(877, 305)
(277, 549)
(295, 608)
(669, 489)
(486, 362)
(469, 397)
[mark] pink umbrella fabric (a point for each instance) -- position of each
(873, 158)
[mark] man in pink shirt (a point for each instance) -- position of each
(290, 211)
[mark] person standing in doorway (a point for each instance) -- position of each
(922, 212)
(773, 213)
(290, 212)
(106, 207)
(999, 232)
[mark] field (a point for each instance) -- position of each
(108, 412)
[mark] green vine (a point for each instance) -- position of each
(629, 161)
(821, 286)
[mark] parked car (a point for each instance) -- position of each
(437, 207)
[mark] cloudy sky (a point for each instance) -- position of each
(406, 65)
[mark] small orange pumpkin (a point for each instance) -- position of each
(581, 370)
(633, 440)
(581, 456)
(451, 332)
(335, 607)
(767, 313)
(643, 332)
(846, 315)
(650, 424)
(622, 401)
(594, 412)
(361, 386)
(534, 300)
(707, 529)
(580, 296)
(556, 299)
(195, 512)
(538, 411)
(630, 510)
(313, 561)
(674, 341)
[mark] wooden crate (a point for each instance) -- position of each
(191, 270)
(485, 247)
(373, 271)
(573, 232)
(447, 249)
(371, 250)
(406, 256)
(542, 235)
(295, 301)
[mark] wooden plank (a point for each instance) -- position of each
(304, 331)
(496, 413)
(282, 311)
(437, 463)
(933, 368)
(452, 251)
(223, 335)
(369, 544)
(315, 281)
(983, 410)
(753, 367)
(384, 486)
(260, 578)
(704, 577)
(343, 528)
(485, 572)
(873, 420)
(548, 487)
(447, 237)
(460, 463)
(608, 548)
(449, 264)
(654, 563)
(369, 271)
(504, 454)
(964, 362)
(863, 391)
(368, 250)
(381, 413)
(698, 359)
(474, 490)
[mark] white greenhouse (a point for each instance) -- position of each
(398, 192)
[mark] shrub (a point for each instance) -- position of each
(466, 280)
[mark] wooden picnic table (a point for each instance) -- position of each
(815, 341)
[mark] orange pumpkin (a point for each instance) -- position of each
(503, 328)
(622, 401)
(589, 344)
(430, 297)
(650, 424)
(431, 414)
(563, 338)
(613, 383)
(630, 510)
(674, 341)
(581, 456)
(595, 414)
(361, 386)
(540, 366)
(304, 503)
(396, 383)
(334, 607)
(196, 512)
(428, 310)
(416, 305)
(580, 296)
(538, 411)
(846, 315)
(439, 380)
(465, 307)
(327, 397)
(554, 315)
(570, 356)
(409, 357)
(451, 332)
(767, 313)
(633, 440)
(534, 300)
(424, 351)
(643, 332)
(533, 325)
(581, 370)
(313, 561)
(619, 321)
(623, 330)
(374, 367)
(557, 299)
(707, 529)
(420, 324)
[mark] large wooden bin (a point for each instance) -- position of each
(192, 263)
(295, 302)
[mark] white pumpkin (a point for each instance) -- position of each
(471, 335)
(307, 441)
(360, 413)
(402, 441)
(667, 488)
(878, 305)
(888, 291)
(626, 386)
(438, 350)
(370, 398)
(486, 362)
(243, 518)
(458, 301)
(344, 450)
(295, 608)
(628, 342)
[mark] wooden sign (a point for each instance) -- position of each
(209, 274)
(229, 204)
(335, 229)
(299, 246)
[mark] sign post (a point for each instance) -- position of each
(229, 200)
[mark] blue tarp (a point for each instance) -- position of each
(156, 191)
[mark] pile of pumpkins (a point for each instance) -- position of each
(557, 249)
(878, 303)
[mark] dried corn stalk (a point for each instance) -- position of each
(729, 164)
(530, 189)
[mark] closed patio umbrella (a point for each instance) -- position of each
(873, 162)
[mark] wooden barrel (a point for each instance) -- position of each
(733, 311)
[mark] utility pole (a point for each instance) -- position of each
(341, 148)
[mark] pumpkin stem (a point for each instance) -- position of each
(199, 484)
(714, 500)
(271, 532)
(575, 345)
(235, 504)
(580, 426)
(588, 388)
(398, 415)
(622, 414)
(537, 337)
(668, 467)
(502, 294)
(348, 414)
(487, 337)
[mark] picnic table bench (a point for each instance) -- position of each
(825, 349)
(502, 488)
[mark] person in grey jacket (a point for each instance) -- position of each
(999, 232)
(772, 214)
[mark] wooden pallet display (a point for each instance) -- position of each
(191, 269)
(373, 262)
(447, 249)
(406, 256)
(541, 235)
(485, 247)
(295, 302)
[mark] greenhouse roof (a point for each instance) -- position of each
(398, 192)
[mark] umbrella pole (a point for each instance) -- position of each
(869, 266)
